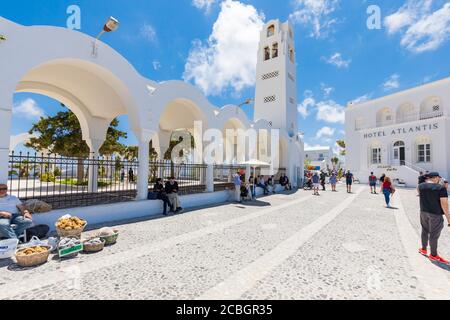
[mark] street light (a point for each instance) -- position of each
(248, 101)
(110, 26)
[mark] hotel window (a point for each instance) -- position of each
(275, 50)
(424, 153)
(266, 53)
(376, 156)
(270, 31)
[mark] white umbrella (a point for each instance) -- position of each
(255, 163)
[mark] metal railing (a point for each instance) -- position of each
(400, 120)
(63, 182)
(223, 176)
(191, 177)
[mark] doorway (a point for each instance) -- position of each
(399, 153)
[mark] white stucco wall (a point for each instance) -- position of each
(409, 129)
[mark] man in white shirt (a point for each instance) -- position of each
(12, 212)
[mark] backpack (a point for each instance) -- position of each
(39, 231)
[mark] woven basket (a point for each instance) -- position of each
(93, 247)
(70, 233)
(110, 240)
(33, 259)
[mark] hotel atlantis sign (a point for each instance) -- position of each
(400, 131)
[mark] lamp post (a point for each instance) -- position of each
(110, 26)
(246, 102)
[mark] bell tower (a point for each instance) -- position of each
(276, 76)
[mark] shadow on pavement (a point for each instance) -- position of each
(443, 266)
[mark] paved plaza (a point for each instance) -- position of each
(284, 246)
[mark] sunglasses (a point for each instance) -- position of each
(3, 189)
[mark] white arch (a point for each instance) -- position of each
(384, 117)
(431, 107)
(406, 112)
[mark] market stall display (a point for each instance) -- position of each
(69, 247)
(70, 226)
(109, 235)
(93, 245)
(32, 256)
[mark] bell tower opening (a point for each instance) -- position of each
(276, 87)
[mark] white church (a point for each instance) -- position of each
(98, 85)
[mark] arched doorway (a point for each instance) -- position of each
(384, 117)
(399, 153)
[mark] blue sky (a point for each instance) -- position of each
(339, 58)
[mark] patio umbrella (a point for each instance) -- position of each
(255, 163)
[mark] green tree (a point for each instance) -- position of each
(335, 161)
(61, 134)
(183, 153)
(341, 144)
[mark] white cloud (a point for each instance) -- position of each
(331, 112)
(316, 14)
(148, 32)
(28, 109)
(422, 27)
(228, 59)
(362, 99)
(337, 60)
(156, 65)
(204, 5)
(315, 146)
(327, 90)
(309, 102)
(325, 132)
(392, 83)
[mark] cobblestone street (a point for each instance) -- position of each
(284, 246)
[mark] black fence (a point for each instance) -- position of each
(223, 176)
(191, 177)
(63, 182)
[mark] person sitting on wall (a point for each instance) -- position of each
(172, 194)
(160, 191)
(271, 183)
(12, 212)
(262, 184)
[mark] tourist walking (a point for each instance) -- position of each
(420, 179)
(433, 207)
(349, 179)
(252, 181)
(373, 183)
(172, 194)
(387, 189)
(131, 175)
(323, 180)
(333, 181)
(237, 187)
(316, 185)
(382, 178)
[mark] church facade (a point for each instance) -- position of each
(99, 87)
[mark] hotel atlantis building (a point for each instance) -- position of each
(400, 134)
